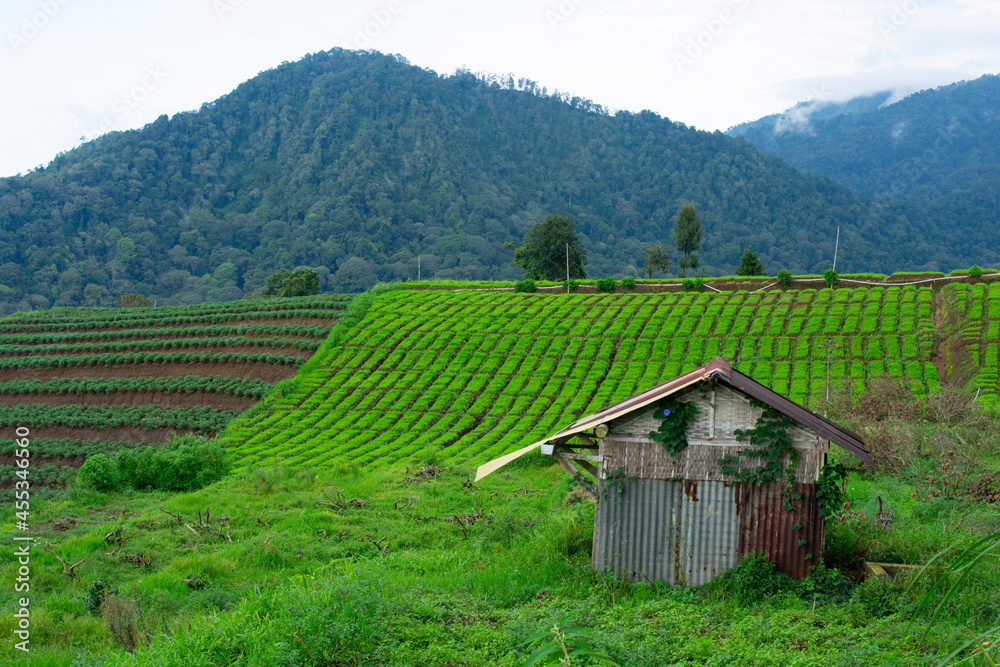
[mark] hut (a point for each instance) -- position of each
(697, 471)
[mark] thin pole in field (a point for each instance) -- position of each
(836, 248)
(418, 268)
(567, 268)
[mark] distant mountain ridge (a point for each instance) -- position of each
(355, 163)
(939, 148)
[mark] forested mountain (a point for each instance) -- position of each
(938, 148)
(769, 132)
(356, 162)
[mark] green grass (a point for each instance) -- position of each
(427, 571)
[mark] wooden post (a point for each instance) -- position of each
(418, 268)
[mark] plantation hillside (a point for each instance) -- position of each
(356, 163)
(464, 376)
(95, 380)
(350, 533)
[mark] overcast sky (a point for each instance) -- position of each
(76, 68)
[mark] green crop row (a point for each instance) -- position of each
(24, 325)
(164, 344)
(980, 305)
(321, 301)
(103, 417)
(42, 448)
(128, 358)
(270, 330)
(188, 384)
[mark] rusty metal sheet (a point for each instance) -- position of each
(766, 526)
(681, 532)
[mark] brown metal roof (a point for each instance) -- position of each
(718, 369)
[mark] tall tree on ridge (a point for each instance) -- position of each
(687, 237)
(543, 253)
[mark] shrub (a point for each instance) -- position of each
(699, 282)
(526, 285)
(570, 285)
(188, 462)
(607, 285)
(753, 580)
(98, 473)
(124, 621)
(830, 276)
(975, 271)
(127, 466)
(877, 597)
(785, 278)
(688, 284)
(628, 283)
(96, 594)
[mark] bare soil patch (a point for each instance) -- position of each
(253, 349)
(74, 461)
(27, 327)
(133, 398)
(153, 335)
(255, 369)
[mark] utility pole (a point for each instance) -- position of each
(567, 268)
(836, 248)
(418, 268)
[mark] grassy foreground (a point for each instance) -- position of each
(400, 566)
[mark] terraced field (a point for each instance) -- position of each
(91, 380)
(978, 306)
(465, 376)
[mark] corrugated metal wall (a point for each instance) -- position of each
(766, 526)
(681, 532)
(671, 523)
(709, 530)
(685, 532)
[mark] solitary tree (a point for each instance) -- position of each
(687, 237)
(750, 264)
(299, 282)
(543, 253)
(657, 258)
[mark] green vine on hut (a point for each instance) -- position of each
(675, 418)
(769, 441)
(829, 490)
